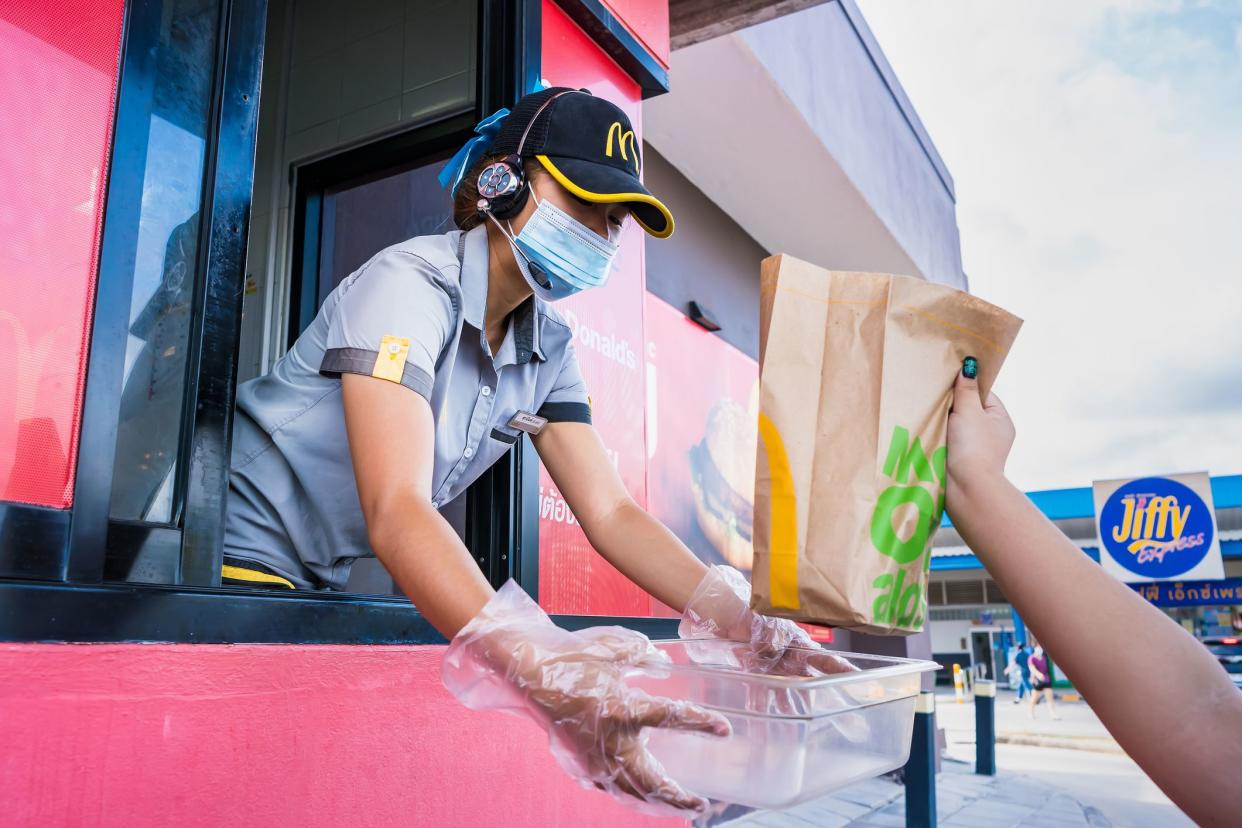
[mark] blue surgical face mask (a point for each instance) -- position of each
(559, 255)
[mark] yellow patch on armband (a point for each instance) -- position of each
(390, 361)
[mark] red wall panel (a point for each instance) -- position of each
(647, 20)
(608, 337)
(214, 735)
(58, 72)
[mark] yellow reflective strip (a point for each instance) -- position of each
(783, 543)
(390, 361)
(611, 198)
(239, 574)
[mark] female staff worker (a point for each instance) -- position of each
(419, 371)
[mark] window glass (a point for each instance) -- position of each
(165, 269)
(359, 221)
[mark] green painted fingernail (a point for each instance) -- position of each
(970, 367)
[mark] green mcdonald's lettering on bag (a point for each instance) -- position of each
(882, 533)
(896, 604)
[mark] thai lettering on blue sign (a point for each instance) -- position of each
(1156, 527)
(1192, 593)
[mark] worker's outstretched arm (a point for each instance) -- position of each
(715, 601)
(505, 652)
(392, 444)
(1160, 693)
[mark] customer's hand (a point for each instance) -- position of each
(980, 436)
(511, 657)
(720, 608)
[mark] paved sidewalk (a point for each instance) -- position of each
(1077, 727)
(1065, 772)
(963, 800)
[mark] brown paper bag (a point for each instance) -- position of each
(856, 376)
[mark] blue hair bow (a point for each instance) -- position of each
(465, 159)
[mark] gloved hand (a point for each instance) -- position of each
(720, 608)
(511, 657)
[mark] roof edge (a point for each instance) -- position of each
(856, 20)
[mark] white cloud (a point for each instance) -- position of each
(1095, 152)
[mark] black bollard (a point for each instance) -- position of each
(920, 772)
(985, 727)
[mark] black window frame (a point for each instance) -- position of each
(82, 544)
(76, 575)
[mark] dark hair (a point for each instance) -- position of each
(465, 203)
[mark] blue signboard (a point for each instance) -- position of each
(1158, 528)
(1192, 593)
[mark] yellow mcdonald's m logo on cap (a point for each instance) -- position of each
(623, 137)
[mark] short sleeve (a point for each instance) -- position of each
(568, 401)
(397, 305)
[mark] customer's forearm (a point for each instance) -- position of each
(1149, 683)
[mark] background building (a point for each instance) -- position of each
(973, 624)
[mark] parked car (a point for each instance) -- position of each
(1228, 651)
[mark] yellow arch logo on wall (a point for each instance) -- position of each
(783, 521)
(624, 137)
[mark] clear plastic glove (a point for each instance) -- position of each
(511, 657)
(720, 608)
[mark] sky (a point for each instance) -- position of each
(1096, 149)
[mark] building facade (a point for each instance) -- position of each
(184, 181)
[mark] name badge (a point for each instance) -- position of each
(530, 423)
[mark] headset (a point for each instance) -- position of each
(502, 184)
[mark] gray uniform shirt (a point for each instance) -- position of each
(412, 314)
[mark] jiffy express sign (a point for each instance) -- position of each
(1158, 528)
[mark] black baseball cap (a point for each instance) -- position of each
(588, 145)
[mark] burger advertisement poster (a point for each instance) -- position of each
(702, 414)
(1158, 528)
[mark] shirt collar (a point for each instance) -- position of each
(522, 340)
(474, 276)
(526, 331)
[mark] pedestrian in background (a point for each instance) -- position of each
(1041, 675)
(1011, 666)
(1019, 671)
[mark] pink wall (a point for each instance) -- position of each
(58, 68)
(213, 735)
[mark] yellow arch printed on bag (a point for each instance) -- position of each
(783, 540)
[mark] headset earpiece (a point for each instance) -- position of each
(502, 188)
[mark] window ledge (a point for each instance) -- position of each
(34, 611)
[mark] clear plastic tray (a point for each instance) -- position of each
(794, 738)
